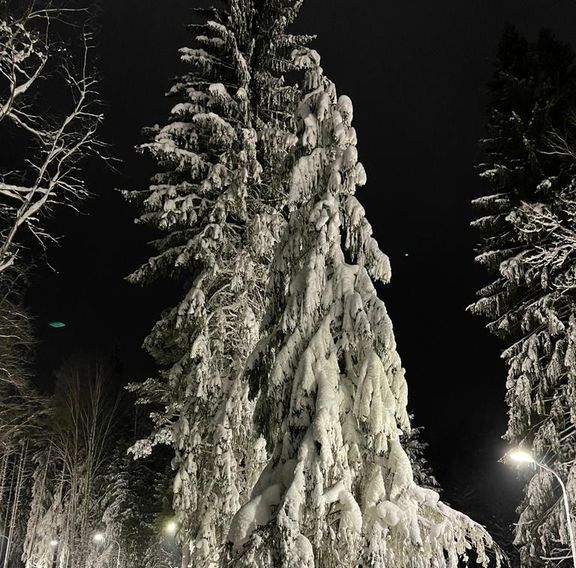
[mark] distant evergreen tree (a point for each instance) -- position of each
(217, 198)
(339, 489)
(135, 511)
(416, 449)
(526, 222)
(84, 483)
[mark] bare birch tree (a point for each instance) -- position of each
(67, 496)
(21, 404)
(33, 65)
(48, 121)
(20, 410)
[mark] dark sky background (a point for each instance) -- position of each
(416, 71)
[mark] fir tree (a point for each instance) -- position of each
(331, 394)
(215, 197)
(526, 224)
(134, 512)
(415, 447)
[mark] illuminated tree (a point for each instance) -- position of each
(339, 488)
(217, 198)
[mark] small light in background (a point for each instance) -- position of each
(98, 537)
(53, 543)
(171, 527)
(57, 324)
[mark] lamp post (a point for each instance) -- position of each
(178, 555)
(7, 543)
(522, 456)
(54, 544)
(100, 538)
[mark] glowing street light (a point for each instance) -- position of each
(522, 456)
(171, 527)
(54, 545)
(99, 538)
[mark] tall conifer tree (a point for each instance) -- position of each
(526, 222)
(331, 394)
(217, 197)
(244, 202)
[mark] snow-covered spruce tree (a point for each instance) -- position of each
(331, 394)
(221, 158)
(132, 517)
(415, 447)
(136, 503)
(527, 226)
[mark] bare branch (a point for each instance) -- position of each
(50, 173)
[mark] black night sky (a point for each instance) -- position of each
(416, 71)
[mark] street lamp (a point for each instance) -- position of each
(99, 538)
(54, 544)
(7, 549)
(7, 543)
(171, 527)
(522, 456)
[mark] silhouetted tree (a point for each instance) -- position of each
(527, 227)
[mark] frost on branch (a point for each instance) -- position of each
(331, 394)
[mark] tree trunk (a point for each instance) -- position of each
(15, 503)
